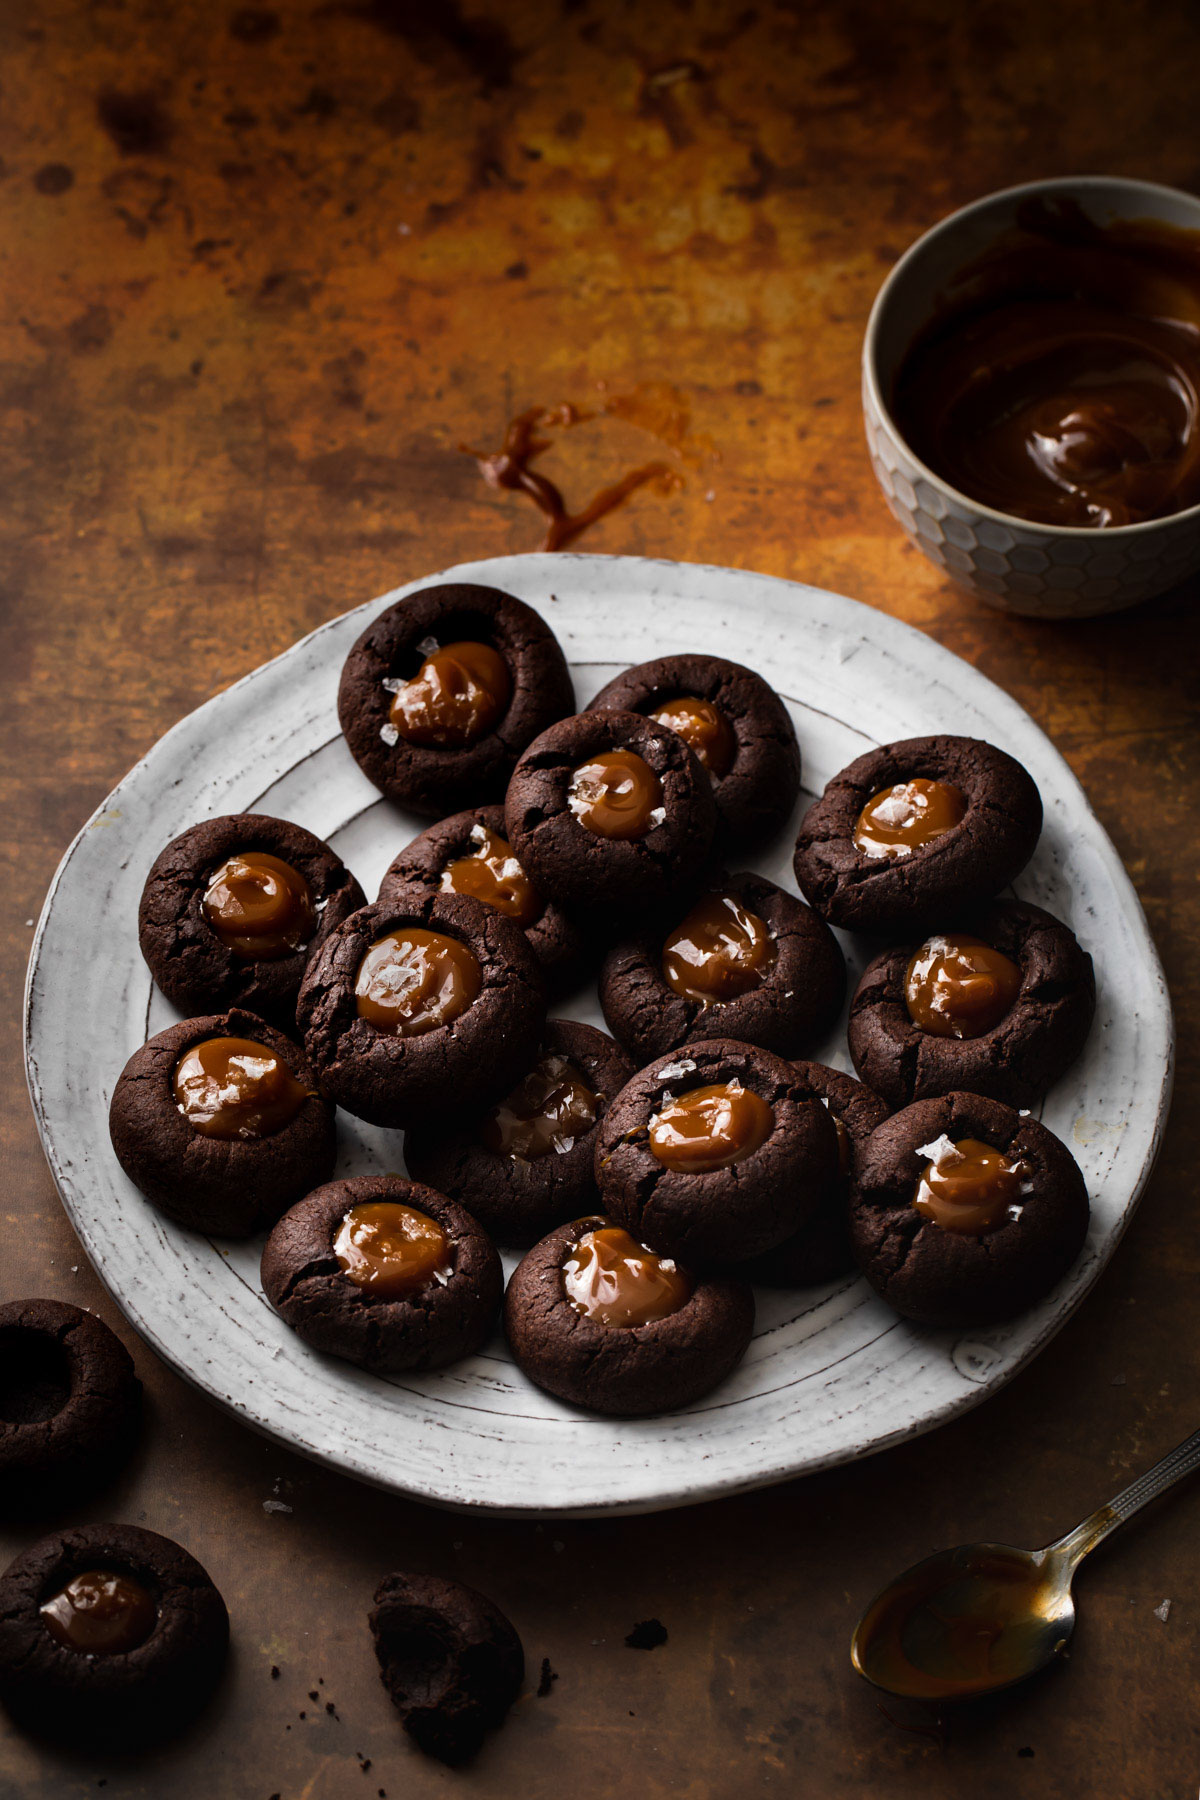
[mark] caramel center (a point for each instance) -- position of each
(970, 1187)
(613, 1280)
(100, 1613)
(616, 795)
(721, 950)
(704, 729)
(259, 907)
(456, 697)
(710, 1128)
(959, 987)
(900, 819)
(229, 1087)
(392, 1249)
(413, 980)
(546, 1112)
(491, 873)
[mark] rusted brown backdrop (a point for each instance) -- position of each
(263, 271)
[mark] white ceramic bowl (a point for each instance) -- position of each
(1045, 571)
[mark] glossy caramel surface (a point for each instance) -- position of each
(544, 1115)
(259, 906)
(720, 950)
(100, 1612)
(903, 818)
(957, 986)
(491, 873)
(613, 1280)
(704, 729)
(412, 981)
(459, 694)
(710, 1127)
(616, 795)
(230, 1087)
(392, 1250)
(970, 1187)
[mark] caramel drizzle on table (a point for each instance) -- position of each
(525, 440)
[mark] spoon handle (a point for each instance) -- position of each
(1183, 1460)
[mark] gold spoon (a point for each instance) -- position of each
(973, 1620)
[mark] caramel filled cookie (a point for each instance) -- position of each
(608, 809)
(383, 1272)
(526, 1164)
(220, 1123)
(451, 1662)
(743, 959)
(596, 1317)
(737, 726)
(916, 832)
(821, 1250)
(422, 1004)
(714, 1154)
(110, 1636)
(69, 1404)
(470, 854)
(234, 908)
(442, 692)
(965, 1213)
(1000, 1004)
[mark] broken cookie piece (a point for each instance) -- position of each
(451, 1662)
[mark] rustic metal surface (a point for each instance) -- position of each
(263, 271)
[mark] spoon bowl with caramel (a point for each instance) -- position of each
(975, 1620)
(1031, 392)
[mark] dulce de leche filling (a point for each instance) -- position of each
(958, 986)
(491, 873)
(230, 1087)
(392, 1249)
(259, 907)
(100, 1612)
(412, 980)
(460, 692)
(710, 1127)
(616, 795)
(613, 1280)
(721, 950)
(969, 1187)
(907, 816)
(704, 729)
(546, 1113)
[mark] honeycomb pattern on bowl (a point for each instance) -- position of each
(1024, 568)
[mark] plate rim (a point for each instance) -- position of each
(883, 626)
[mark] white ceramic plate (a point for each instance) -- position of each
(832, 1373)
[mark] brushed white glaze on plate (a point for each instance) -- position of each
(832, 1373)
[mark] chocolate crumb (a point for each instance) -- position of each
(274, 1672)
(647, 1635)
(549, 1677)
(331, 1708)
(1025, 1751)
(313, 1694)
(304, 1715)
